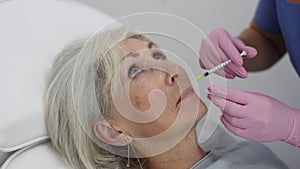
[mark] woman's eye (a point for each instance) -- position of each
(159, 56)
(134, 71)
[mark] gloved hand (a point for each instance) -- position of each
(219, 46)
(255, 116)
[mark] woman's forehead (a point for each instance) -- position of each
(132, 46)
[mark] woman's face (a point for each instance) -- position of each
(159, 92)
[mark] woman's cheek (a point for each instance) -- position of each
(139, 98)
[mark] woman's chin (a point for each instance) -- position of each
(202, 110)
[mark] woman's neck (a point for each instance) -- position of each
(183, 156)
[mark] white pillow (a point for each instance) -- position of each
(3, 157)
(32, 32)
(38, 156)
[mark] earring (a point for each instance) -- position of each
(128, 164)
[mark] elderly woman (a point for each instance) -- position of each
(116, 101)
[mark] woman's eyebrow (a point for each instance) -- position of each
(131, 54)
(150, 44)
(135, 54)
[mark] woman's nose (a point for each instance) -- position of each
(171, 78)
(170, 70)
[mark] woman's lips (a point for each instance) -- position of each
(184, 95)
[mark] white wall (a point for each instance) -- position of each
(280, 81)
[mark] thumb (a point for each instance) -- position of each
(250, 51)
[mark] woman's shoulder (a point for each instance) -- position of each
(243, 155)
(247, 155)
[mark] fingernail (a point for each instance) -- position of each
(209, 88)
(244, 76)
(213, 90)
(230, 76)
(209, 96)
(251, 51)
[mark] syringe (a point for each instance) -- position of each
(217, 68)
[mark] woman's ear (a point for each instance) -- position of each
(105, 132)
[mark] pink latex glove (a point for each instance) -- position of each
(219, 46)
(255, 116)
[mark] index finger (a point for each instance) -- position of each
(233, 95)
(231, 108)
(231, 50)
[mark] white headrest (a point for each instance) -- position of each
(32, 32)
(3, 157)
(36, 157)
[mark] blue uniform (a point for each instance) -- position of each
(279, 17)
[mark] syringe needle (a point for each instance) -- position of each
(243, 53)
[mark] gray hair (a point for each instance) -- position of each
(83, 68)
